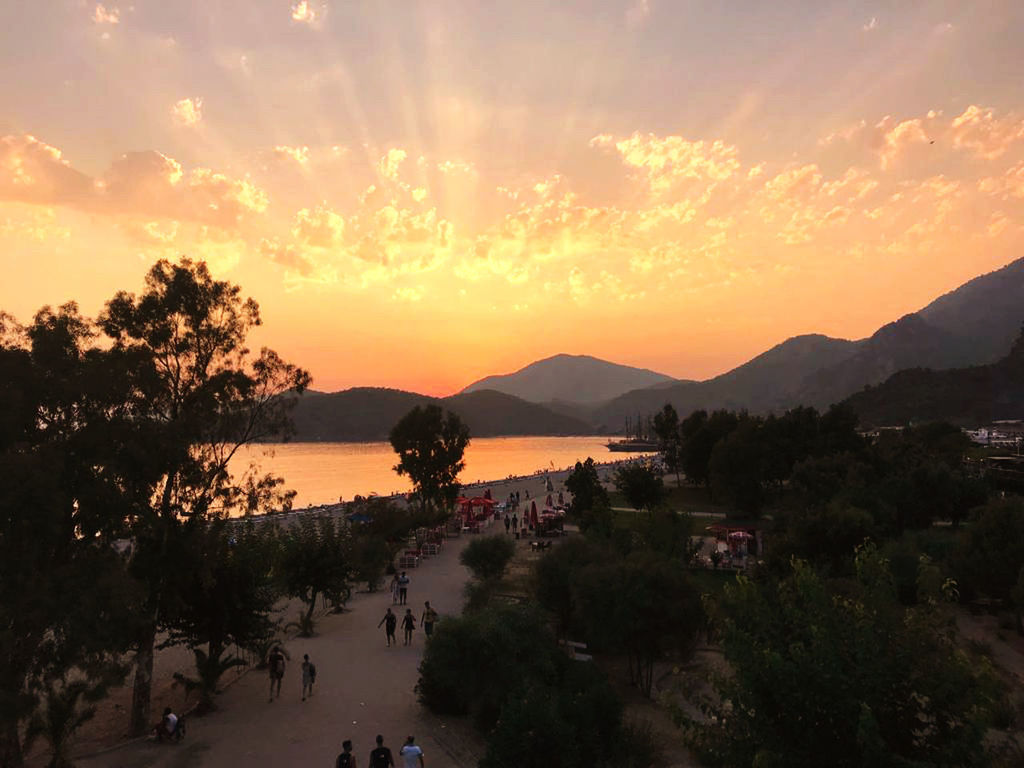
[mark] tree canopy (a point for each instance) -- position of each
(430, 444)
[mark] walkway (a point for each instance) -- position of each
(363, 688)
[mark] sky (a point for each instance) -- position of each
(419, 194)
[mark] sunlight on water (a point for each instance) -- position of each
(323, 473)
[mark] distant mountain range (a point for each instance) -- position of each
(974, 325)
(966, 396)
(367, 414)
(579, 379)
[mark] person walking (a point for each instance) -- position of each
(394, 589)
(276, 665)
(403, 588)
(381, 756)
(515, 524)
(428, 618)
(346, 759)
(308, 676)
(508, 522)
(411, 754)
(408, 624)
(390, 621)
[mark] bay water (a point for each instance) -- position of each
(324, 473)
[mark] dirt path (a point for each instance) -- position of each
(363, 688)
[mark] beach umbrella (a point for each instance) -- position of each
(549, 501)
(533, 512)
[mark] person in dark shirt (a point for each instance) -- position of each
(381, 756)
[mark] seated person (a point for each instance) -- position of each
(167, 728)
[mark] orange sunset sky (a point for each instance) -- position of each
(422, 193)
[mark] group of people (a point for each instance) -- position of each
(276, 662)
(390, 623)
(381, 757)
(399, 588)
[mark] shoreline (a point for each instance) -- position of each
(533, 485)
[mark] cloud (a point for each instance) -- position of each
(320, 227)
(188, 111)
(288, 256)
(389, 164)
(298, 155)
(304, 12)
(147, 184)
(666, 160)
(871, 25)
(103, 15)
(979, 131)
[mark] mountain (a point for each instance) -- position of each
(570, 379)
(764, 383)
(967, 396)
(970, 326)
(365, 414)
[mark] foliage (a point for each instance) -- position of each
(573, 720)
(989, 555)
(488, 556)
(670, 441)
(641, 485)
(430, 444)
(849, 678)
(226, 596)
(67, 704)
(737, 466)
(700, 432)
(473, 662)
(66, 605)
(643, 605)
(555, 572)
(201, 395)
(589, 506)
(315, 561)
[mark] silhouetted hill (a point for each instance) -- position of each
(365, 414)
(966, 396)
(570, 379)
(766, 382)
(973, 325)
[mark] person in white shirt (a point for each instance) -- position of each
(412, 754)
(167, 726)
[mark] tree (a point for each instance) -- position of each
(315, 562)
(666, 427)
(700, 433)
(851, 678)
(430, 444)
(641, 486)
(737, 466)
(488, 557)
(989, 554)
(589, 505)
(227, 595)
(202, 396)
(644, 605)
(65, 602)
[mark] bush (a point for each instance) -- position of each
(488, 557)
(473, 662)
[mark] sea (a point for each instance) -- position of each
(325, 473)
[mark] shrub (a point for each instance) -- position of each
(472, 662)
(488, 557)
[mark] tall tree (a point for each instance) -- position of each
(666, 427)
(204, 396)
(589, 505)
(641, 486)
(430, 444)
(64, 598)
(227, 594)
(316, 561)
